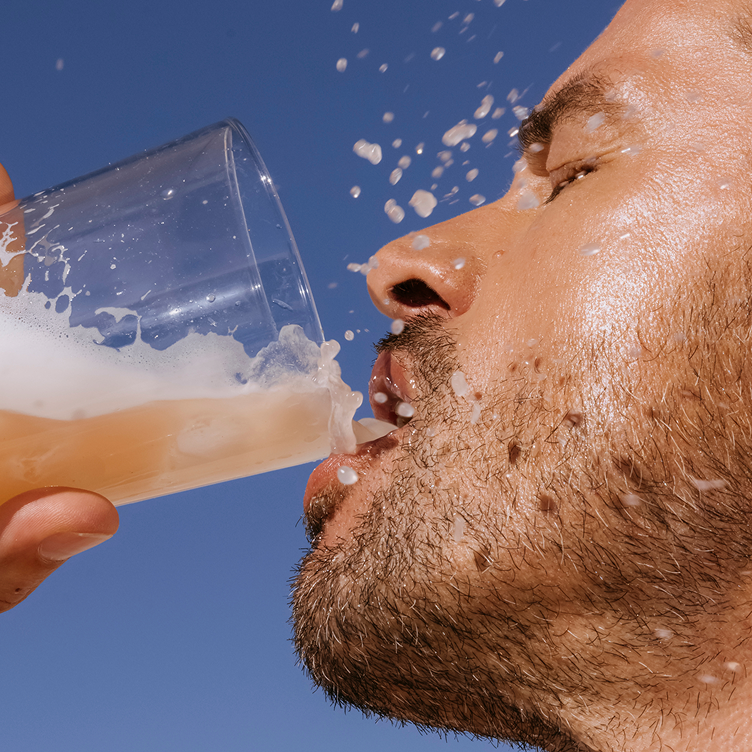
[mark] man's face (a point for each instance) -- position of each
(562, 520)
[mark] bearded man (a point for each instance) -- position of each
(555, 546)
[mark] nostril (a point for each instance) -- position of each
(414, 293)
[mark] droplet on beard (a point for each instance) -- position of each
(630, 500)
(459, 384)
(459, 529)
(708, 485)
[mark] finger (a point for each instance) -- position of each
(6, 187)
(41, 529)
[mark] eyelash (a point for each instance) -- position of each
(577, 171)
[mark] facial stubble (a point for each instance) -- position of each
(522, 569)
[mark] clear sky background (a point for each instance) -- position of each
(174, 635)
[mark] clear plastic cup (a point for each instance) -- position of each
(157, 330)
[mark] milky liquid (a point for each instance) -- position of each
(165, 446)
(135, 422)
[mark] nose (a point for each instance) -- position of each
(436, 271)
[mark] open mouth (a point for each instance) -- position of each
(389, 392)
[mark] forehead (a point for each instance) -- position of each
(692, 39)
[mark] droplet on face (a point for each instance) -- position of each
(590, 249)
(420, 242)
(485, 107)
(424, 202)
(498, 56)
(595, 122)
(708, 485)
(355, 191)
(459, 384)
(395, 212)
(380, 397)
(404, 162)
(476, 199)
(527, 200)
(458, 263)
(459, 529)
(395, 176)
(398, 326)
(371, 152)
(463, 130)
(342, 64)
(346, 475)
(437, 53)
(405, 410)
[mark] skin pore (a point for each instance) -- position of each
(560, 554)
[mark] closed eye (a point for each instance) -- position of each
(563, 177)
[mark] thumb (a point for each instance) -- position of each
(6, 187)
(41, 529)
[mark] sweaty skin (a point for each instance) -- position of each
(560, 554)
(41, 529)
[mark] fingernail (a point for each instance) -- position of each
(62, 546)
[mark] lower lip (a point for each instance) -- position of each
(326, 473)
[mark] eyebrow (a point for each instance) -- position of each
(585, 94)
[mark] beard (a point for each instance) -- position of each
(559, 554)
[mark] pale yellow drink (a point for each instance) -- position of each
(165, 446)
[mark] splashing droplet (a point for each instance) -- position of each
(355, 191)
(424, 202)
(395, 212)
(477, 199)
(342, 64)
(463, 130)
(371, 152)
(437, 53)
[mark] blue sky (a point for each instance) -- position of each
(174, 635)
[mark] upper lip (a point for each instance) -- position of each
(388, 388)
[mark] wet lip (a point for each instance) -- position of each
(388, 388)
(389, 379)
